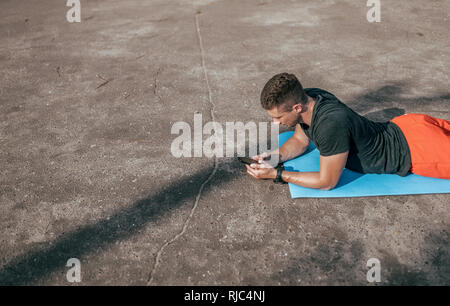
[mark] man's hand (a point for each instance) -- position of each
(262, 170)
(261, 156)
(272, 158)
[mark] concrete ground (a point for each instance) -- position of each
(86, 169)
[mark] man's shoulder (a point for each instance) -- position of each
(334, 119)
(330, 108)
(314, 92)
(331, 114)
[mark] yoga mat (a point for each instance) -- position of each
(354, 184)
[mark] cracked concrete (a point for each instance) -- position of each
(87, 172)
(197, 198)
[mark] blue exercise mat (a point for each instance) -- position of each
(354, 184)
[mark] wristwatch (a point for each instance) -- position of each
(278, 178)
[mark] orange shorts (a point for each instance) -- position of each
(429, 143)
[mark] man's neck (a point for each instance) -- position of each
(306, 116)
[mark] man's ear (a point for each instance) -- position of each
(298, 108)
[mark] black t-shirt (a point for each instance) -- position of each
(374, 147)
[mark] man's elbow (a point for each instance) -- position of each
(328, 186)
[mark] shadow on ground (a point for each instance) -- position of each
(34, 265)
(384, 97)
(435, 270)
(29, 268)
(344, 264)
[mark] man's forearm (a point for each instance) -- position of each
(306, 179)
(291, 149)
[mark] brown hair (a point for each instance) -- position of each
(281, 88)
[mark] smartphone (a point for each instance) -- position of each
(247, 160)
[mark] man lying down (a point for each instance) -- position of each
(414, 143)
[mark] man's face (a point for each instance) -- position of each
(286, 115)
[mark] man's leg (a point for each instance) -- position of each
(429, 143)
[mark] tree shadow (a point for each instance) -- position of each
(328, 264)
(377, 105)
(344, 264)
(36, 264)
(433, 270)
(385, 114)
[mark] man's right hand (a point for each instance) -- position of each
(272, 158)
(261, 156)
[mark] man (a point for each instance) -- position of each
(409, 143)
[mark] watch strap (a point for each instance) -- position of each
(278, 178)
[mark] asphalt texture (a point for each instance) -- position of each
(86, 169)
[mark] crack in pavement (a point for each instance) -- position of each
(155, 86)
(159, 253)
